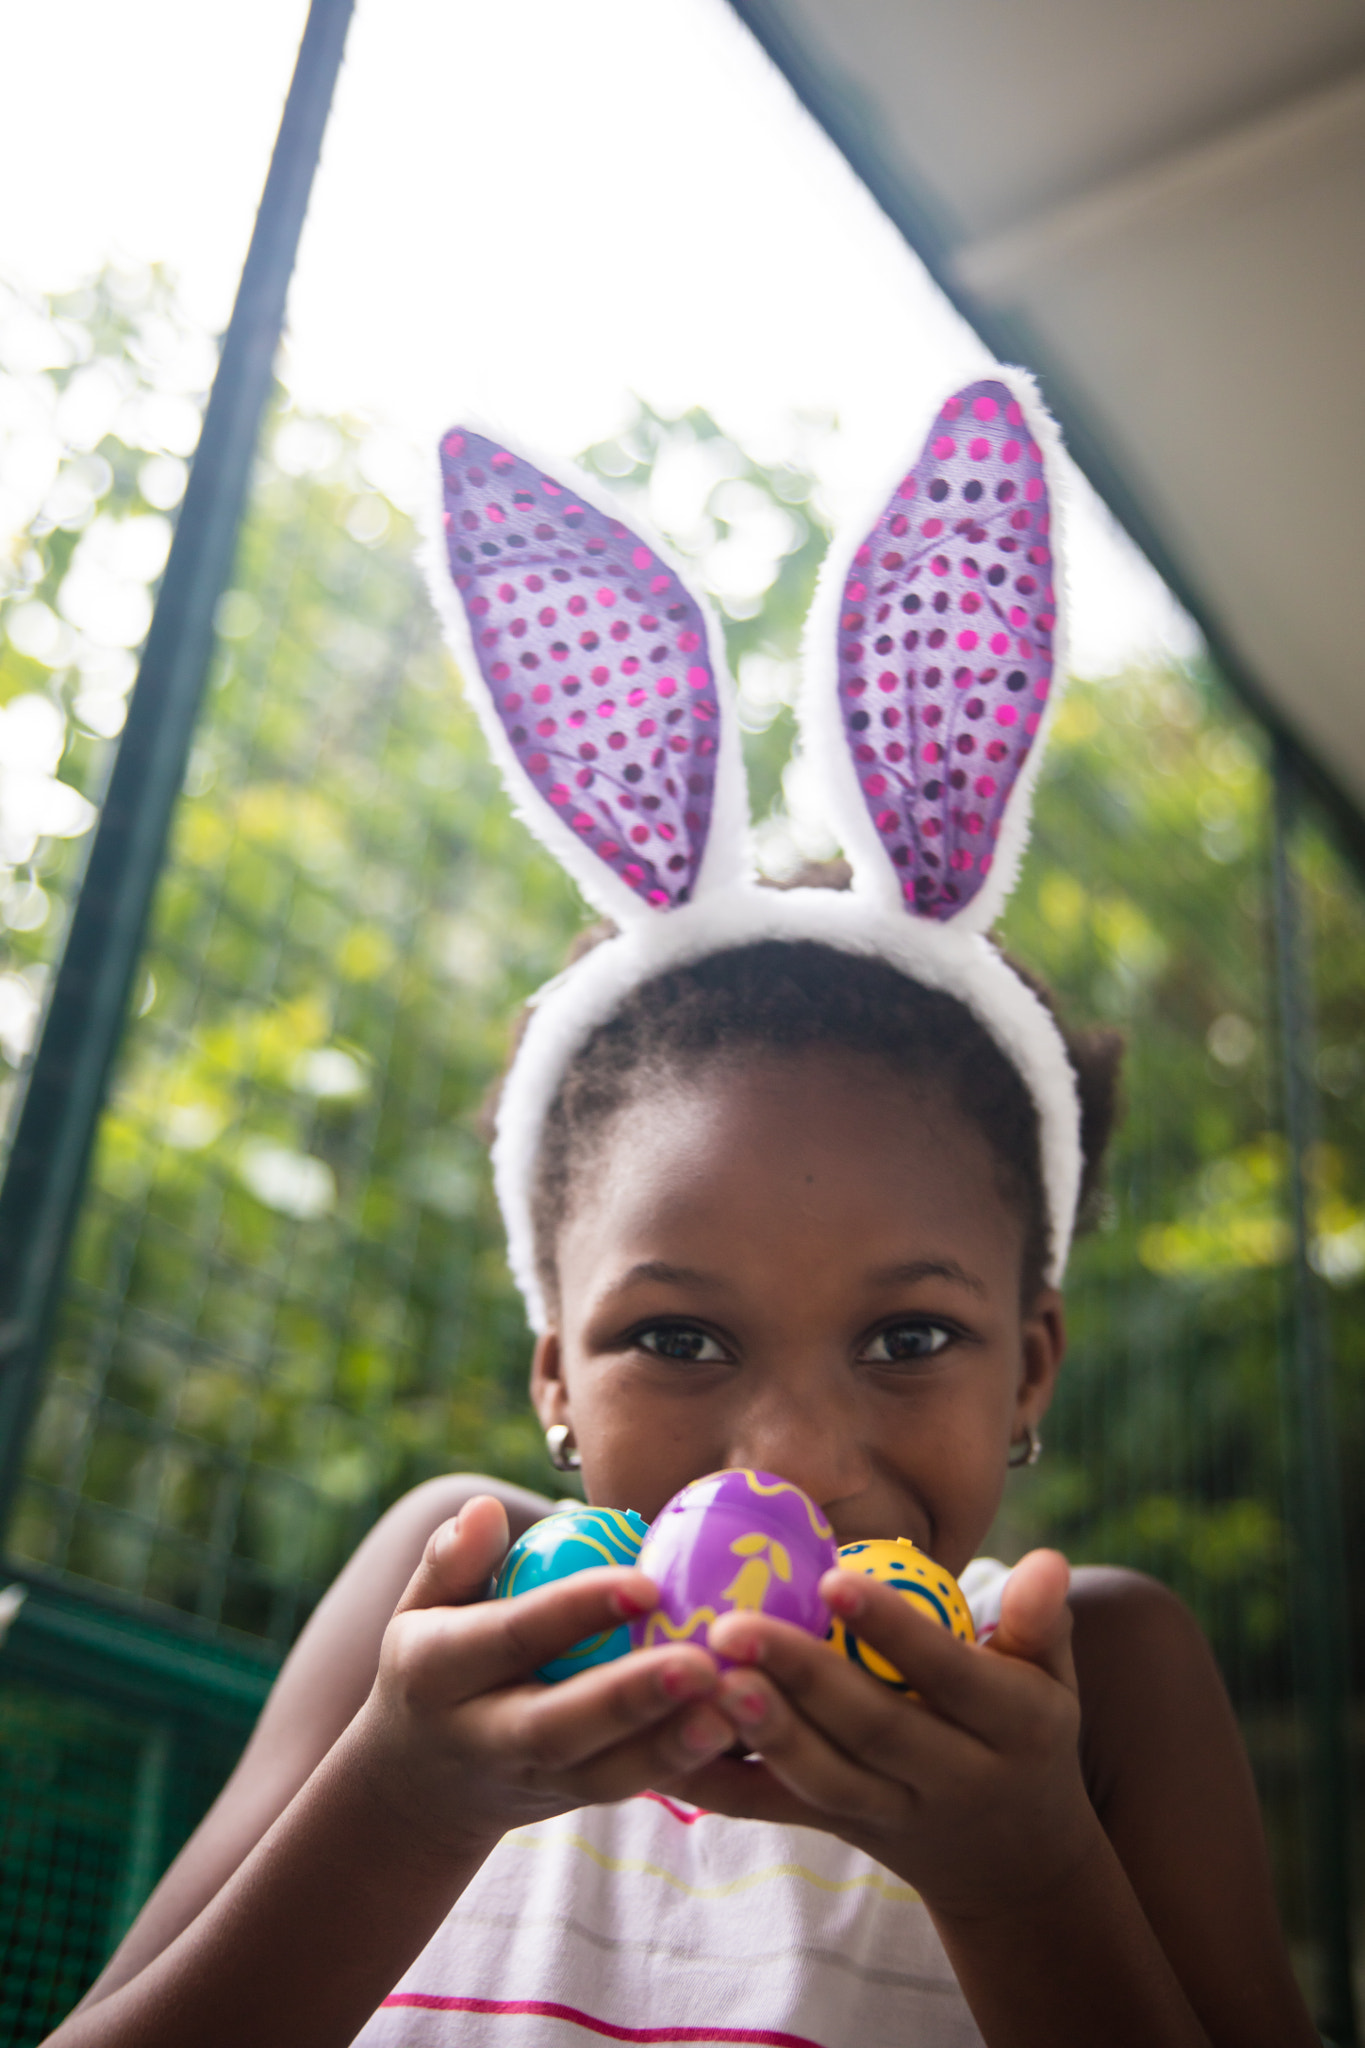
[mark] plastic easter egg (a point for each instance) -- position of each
(574, 1540)
(735, 1539)
(899, 1563)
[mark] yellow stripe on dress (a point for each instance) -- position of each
(634, 1866)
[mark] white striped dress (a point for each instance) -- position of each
(653, 1921)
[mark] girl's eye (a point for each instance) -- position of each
(904, 1341)
(682, 1341)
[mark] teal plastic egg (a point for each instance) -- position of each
(574, 1540)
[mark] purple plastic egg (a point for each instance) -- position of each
(736, 1539)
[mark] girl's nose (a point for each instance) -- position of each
(808, 1438)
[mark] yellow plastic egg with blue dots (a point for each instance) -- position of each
(902, 1565)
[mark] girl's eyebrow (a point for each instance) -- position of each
(661, 1273)
(906, 1273)
(914, 1270)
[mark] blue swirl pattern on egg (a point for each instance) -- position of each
(574, 1540)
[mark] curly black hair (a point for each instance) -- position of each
(791, 996)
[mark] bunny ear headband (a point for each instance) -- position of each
(930, 657)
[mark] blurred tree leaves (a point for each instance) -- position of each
(100, 391)
(753, 535)
(1145, 901)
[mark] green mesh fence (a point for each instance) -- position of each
(68, 1774)
(116, 1733)
(287, 1300)
(93, 1803)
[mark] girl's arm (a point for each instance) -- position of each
(1174, 1903)
(1165, 1766)
(455, 1744)
(322, 1685)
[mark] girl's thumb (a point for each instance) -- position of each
(460, 1558)
(1035, 1620)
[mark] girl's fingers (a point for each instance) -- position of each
(460, 1558)
(615, 1727)
(830, 1688)
(967, 1693)
(1035, 1620)
(744, 1788)
(990, 1698)
(800, 1757)
(671, 1752)
(441, 1659)
(877, 1729)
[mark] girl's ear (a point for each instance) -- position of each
(942, 634)
(1041, 1353)
(598, 678)
(549, 1395)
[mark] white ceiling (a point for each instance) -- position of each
(1160, 204)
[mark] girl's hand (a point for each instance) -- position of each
(972, 1792)
(463, 1741)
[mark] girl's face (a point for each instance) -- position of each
(801, 1264)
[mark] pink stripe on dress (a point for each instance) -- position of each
(688, 1815)
(542, 2008)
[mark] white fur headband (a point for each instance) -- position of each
(933, 652)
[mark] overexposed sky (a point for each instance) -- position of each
(528, 210)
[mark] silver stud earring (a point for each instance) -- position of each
(560, 1445)
(1027, 1451)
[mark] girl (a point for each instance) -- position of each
(789, 1183)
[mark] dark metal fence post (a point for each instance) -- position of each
(1313, 1492)
(70, 1070)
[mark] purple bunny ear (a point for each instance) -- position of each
(945, 655)
(597, 676)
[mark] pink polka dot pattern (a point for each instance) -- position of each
(945, 646)
(595, 658)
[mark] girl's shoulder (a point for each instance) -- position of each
(1153, 1703)
(1128, 1628)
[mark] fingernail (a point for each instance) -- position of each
(741, 1649)
(844, 1597)
(705, 1733)
(626, 1607)
(749, 1706)
(682, 1681)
